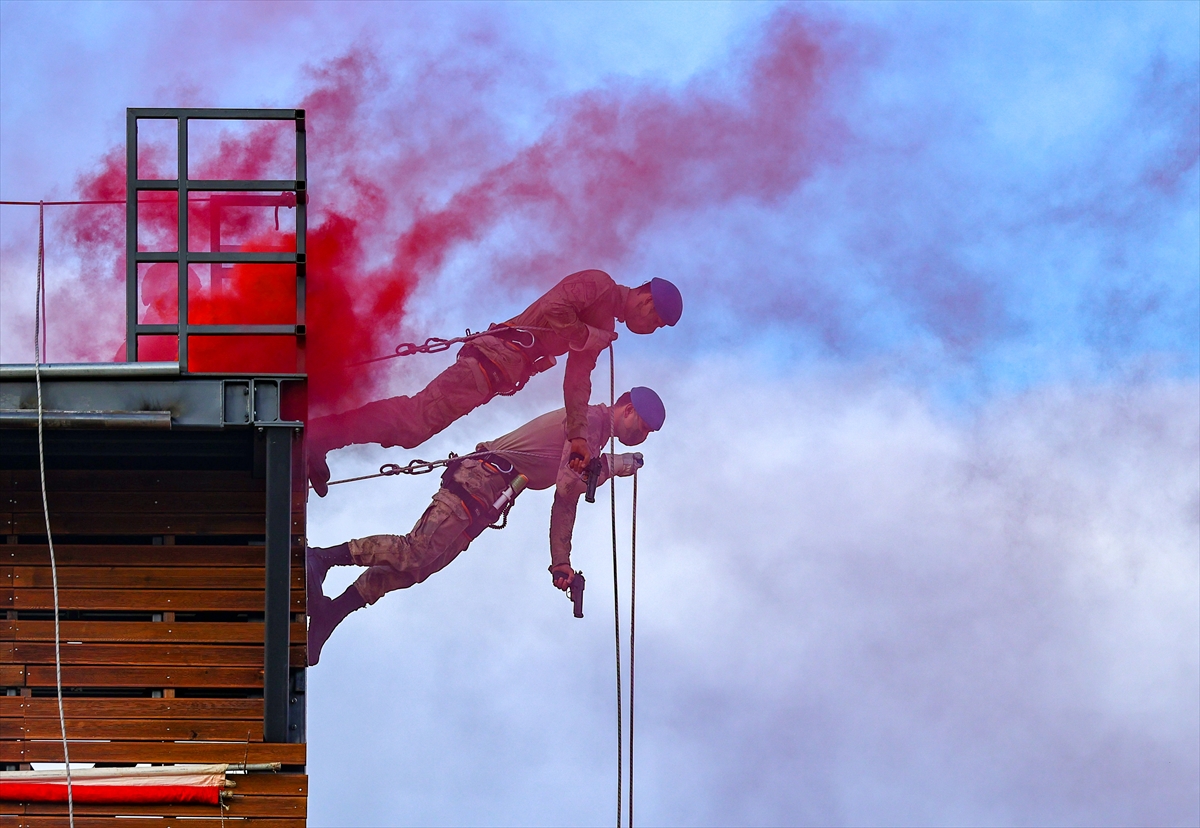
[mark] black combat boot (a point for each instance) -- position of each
(317, 561)
(324, 616)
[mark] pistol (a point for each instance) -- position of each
(591, 475)
(575, 590)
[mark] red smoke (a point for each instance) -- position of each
(382, 155)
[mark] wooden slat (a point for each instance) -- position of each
(231, 677)
(270, 784)
(207, 655)
(83, 708)
(264, 806)
(204, 730)
(195, 632)
(143, 577)
(12, 675)
(24, 821)
(157, 502)
(133, 480)
(100, 523)
(65, 555)
(146, 600)
(231, 752)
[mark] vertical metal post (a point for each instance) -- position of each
(131, 223)
(278, 587)
(301, 236)
(182, 245)
(215, 275)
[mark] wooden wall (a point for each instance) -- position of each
(161, 590)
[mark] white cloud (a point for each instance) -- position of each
(854, 608)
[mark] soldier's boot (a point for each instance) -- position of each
(387, 422)
(318, 560)
(324, 616)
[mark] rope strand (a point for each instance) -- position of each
(632, 634)
(612, 480)
(37, 375)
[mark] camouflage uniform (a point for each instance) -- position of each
(576, 317)
(539, 450)
(399, 561)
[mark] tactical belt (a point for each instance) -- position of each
(482, 512)
(520, 340)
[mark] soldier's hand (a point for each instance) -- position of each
(581, 455)
(623, 465)
(563, 576)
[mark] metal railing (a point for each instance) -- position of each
(293, 193)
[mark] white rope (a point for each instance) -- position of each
(37, 375)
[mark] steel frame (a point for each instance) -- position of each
(295, 190)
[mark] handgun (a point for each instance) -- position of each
(575, 591)
(591, 475)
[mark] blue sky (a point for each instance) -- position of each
(922, 526)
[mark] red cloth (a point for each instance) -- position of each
(154, 785)
(116, 794)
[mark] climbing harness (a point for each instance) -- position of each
(38, 342)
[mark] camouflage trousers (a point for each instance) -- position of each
(410, 421)
(444, 530)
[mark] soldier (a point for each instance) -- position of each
(576, 317)
(465, 505)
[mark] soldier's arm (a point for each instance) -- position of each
(562, 515)
(568, 486)
(577, 391)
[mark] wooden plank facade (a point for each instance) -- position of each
(161, 579)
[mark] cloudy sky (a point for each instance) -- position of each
(920, 541)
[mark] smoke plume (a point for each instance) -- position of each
(383, 219)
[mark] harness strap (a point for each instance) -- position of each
(481, 511)
(522, 341)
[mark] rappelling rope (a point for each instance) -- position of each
(632, 639)
(612, 491)
(37, 375)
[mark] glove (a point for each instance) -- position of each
(597, 340)
(623, 465)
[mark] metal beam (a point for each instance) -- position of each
(223, 185)
(276, 678)
(215, 114)
(221, 257)
(90, 370)
(26, 418)
(222, 330)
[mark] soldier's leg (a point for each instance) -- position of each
(393, 562)
(397, 562)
